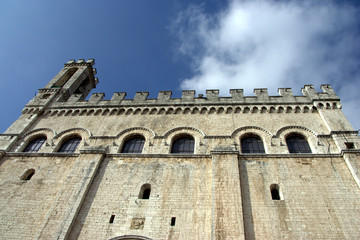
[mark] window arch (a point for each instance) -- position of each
(252, 144)
(35, 144)
(297, 144)
(70, 145)
(183, 144)
(28, 174)
(134, 144)
(145, 191)
(275, 192)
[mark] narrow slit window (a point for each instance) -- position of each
(173, 220)
(112, 219)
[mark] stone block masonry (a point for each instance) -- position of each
(195, 167)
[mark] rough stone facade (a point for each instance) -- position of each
(218, 192)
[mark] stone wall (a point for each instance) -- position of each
(319, 198)
(180, 188)
(216, 193)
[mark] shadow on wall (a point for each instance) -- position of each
(89, 198)
(246, 201)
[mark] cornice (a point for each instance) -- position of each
(172, 110)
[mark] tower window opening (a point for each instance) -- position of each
(112, 219)
(64, 78)
(349, 145)
(275, 194)
(173, 219)
(83, 86)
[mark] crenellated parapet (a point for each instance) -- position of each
(65, 96)
(286, 102)
(212, 97)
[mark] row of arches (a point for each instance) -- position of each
(295, 142)
(68, 145)
(181, 144)
(179, 110)
(191, 130)
(184, 110)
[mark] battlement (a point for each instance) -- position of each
(212, 97)
(72, 62)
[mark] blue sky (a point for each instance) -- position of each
(161, 45)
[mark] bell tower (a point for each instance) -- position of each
(75, 80)
(77, 77)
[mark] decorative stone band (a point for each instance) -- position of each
(130, 110)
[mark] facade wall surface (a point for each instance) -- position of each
(25, 204)
(319, 198)
(180, 188)
(217, 192)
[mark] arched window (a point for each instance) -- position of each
(145, 191)
(184, 144)
(70, 145)
(35, 144)
(275, 191)
(252, 144)
(28, 174)
(297, 144)
(134, 145)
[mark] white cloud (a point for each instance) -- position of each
(273, 44)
